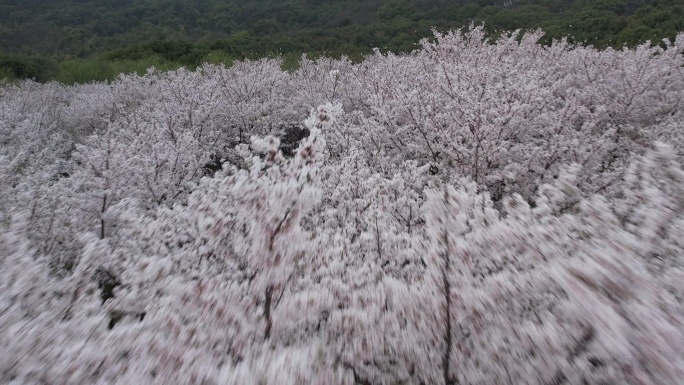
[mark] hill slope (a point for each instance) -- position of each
(61, 30)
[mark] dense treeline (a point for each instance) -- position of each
(470, 213)
(81, 40)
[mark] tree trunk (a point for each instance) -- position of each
(267, 311)
(446, 358)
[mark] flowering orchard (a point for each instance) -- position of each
(475, 212)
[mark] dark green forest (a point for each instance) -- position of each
(76, 41)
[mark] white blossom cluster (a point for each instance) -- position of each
(474, 212)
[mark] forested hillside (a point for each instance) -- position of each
(80, 40)
(474, 212)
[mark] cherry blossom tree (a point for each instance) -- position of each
(476, 212)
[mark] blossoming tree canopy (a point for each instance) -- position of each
(474, 212)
